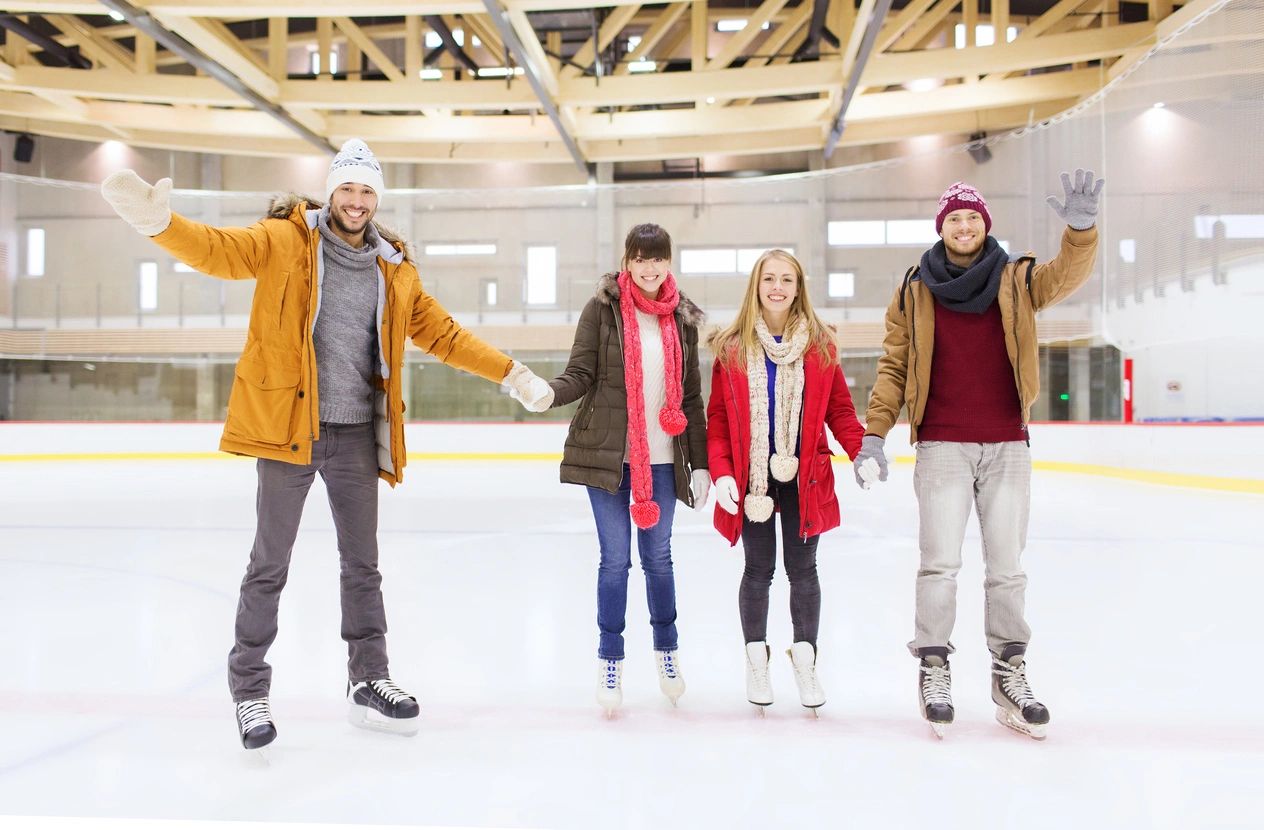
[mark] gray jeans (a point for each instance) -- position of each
(346, 458)
(996, 479)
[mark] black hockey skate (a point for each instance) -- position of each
(1016, 706)
(382, 706)
(934, 684)
(254, 723)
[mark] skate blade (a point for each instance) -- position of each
(760, 709)
(366, 718)
(610, 712)
(940, 729)
(260, 757)
(1035, 731)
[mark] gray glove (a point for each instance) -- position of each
(1080, 209)
(870, 453)
(146, 208)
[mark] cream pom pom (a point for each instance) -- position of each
(758, 508)
(783, 467)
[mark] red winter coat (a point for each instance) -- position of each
(826, 399)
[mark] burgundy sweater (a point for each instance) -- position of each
(973, 397)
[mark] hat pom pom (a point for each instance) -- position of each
(783, 467)
(758, 508)
(673, 421)
(645, 514)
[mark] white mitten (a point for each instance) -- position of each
(528, 388)
(868, 472)
(699, 485)
(726, 494)
(145, 207)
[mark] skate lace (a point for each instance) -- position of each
(759, 673)
(612, 674)
(937, 685)
(806, 676)
(1014, 683)
(667, 664)
(252, 713)
(388, 690)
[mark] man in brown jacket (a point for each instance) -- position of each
(961, 355)
(317, 390)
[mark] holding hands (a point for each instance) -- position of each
(528, 388)
(699, 486)
(870, 464)
(1080, 208)
(145, 207)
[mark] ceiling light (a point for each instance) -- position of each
(642, 66)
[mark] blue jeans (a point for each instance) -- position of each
(614, 533)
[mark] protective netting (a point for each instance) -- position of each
(1177, 135)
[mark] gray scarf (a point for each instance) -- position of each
(971, 289)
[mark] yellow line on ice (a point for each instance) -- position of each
(1220, 483)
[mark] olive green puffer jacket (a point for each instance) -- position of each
(597, 441)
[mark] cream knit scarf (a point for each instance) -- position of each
(788, 355)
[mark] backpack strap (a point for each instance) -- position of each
(908, 275)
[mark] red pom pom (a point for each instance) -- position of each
(645, 514)
(673, 421)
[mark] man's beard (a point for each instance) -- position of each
(341, 226)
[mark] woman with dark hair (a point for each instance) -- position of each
(776, 384)
(639, 435)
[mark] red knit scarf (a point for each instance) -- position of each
(671, 418)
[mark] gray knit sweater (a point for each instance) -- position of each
(346, 327)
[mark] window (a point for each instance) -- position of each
(1235, 226)
(542, 275)
(148, 286)
(461, 249)
(857, 233)
(911, 232)
(984, 35)
(1128, 250)
(35, 252)
(180, 268)
(708, 261)
(434, 40)
(489, 292)
(747, 257)
(842, 284)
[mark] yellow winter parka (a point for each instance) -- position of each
(274, 405)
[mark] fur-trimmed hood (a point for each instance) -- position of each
(283, 207)
(608, 292)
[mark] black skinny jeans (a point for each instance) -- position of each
(759, 541)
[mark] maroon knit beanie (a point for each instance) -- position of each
(961, 196)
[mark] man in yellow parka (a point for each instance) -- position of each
(317, 389)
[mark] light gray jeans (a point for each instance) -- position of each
(346, 458)
(996, 479)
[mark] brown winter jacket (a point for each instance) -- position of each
(904, 368)
(598, 437)
(274, 404)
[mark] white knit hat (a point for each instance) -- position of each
(356, 163)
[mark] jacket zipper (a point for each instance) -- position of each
(1018, 358)
(313, 302)
(913, 350)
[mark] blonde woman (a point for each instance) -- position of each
(776, 383)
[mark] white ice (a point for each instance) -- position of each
(118, 585)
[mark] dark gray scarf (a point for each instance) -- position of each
(970, 289)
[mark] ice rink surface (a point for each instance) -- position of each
(118, 584)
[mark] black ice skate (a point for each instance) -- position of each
(383, 706)
(934, 683)
(1016, 706)
(254, 723)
